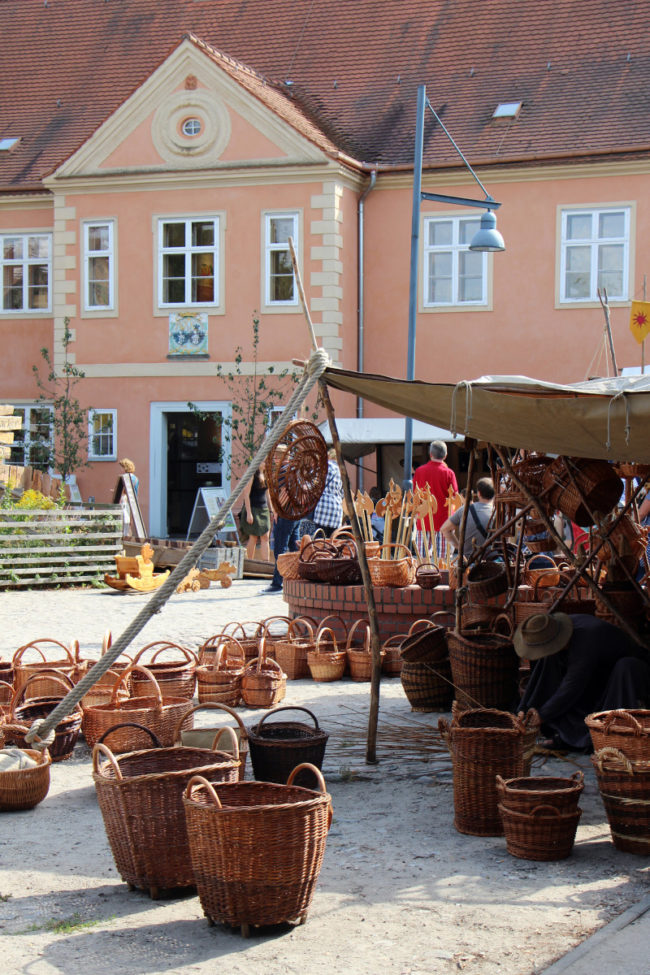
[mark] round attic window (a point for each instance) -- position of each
(191, 127)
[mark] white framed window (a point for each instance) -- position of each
(453, 274)
(102, 435)
(279, 284)
(33, 444)
(99, 265)
(595, 253)
(188, 254)
(26, 270)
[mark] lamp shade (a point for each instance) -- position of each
(487, 237)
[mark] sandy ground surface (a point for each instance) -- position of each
(400, 892)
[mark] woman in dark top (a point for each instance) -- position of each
(255, 518)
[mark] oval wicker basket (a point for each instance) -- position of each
(277, 748)
(22, 716)
(291, 651)
(524, 794)
(24, 788)
(326, 665)
(425, 641)
(390, 569)
(543, 834)
(427, 575)
(287, 563)
(627, 730)
(485, 580)
(625, 791)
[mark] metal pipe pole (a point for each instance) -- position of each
(413, 279)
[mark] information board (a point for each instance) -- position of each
(206, 506)
(124, 494)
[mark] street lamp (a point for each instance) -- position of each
(487, 238)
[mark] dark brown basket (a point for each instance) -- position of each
(334, 561)
(427, 685)
(427, 575)
(24, 788)
(296, 470)
(277, 748)
(483, 743)
(525, 794)
(485, 669)
(426, 641)
(544, 833)
(577, 486)
(140, 796)
(22, 716)
(628, 730)
(257, 848)
(625, 791)
(486, 579)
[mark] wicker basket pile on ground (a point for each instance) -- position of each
(23, 713)
(54, 658)
(277, 747)
(140, 798)
(257, 848)
(219, 678)
(540, 815)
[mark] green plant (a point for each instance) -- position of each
(67, 453)
(254, 396)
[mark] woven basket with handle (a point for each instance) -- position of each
(264, 683)
(326, 662)
(207, 736)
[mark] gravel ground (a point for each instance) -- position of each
(400, 890)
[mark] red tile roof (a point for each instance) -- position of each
(581, 69)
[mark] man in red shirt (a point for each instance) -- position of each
(440, 478)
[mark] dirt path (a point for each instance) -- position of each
(400, 891)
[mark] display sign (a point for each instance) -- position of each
(207, 503)
(124, 494)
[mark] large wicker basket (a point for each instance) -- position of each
(483, 743)
(140, 796)
(625, 791)
(427, 685)
(545, 833)
(24, 788)
(276, 748)
(627, 730)
(173, 667)
(425, 641)
(157, 714)
(485, 669)
(526, 793)
(257, 848)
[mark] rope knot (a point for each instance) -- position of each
(319, 360)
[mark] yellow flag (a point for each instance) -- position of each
(640, 320)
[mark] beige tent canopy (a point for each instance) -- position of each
(607, 418)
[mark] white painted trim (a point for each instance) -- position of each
(267, 215)
(158, 456)
(93, 458)
(111, 253)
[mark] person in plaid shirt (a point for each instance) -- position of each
(328, 513)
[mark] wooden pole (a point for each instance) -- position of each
(460, 567)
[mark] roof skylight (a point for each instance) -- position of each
(507, 110)
(8, 143)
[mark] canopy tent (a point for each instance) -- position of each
(606, 418)
(360, 436)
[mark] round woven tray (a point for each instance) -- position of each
(296, 470)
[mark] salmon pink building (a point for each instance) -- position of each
(157, 155)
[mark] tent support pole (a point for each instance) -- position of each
(460, 565)
(375, 679)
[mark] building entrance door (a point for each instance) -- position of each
(194, 460)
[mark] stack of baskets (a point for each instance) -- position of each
(173, 666)
(483, 743)
(621, 758)
(264, 683)
(540, 815)
(426, 672)
(219, 674)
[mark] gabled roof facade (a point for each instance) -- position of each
(346, 73)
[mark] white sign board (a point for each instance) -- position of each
(206, 506)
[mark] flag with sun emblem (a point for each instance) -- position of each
(640, 320)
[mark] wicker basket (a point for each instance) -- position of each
(22, 716)
(525, 794)
(544, 833)
(579, 487)
(390, 569)
(219, 680)
(627, 730)
(326, 662)
(277, 748)
(296, 470)
(629, 603)
(157, 714)
(291, 651)
(140, 796)
(24, 788)
(541, 570)
(427, 685)
(485, 669)
(391, 661)
(264, 683)
(287, 563)
(100, 693)
(257, 848)
(483, 743)
(65, 664)
(6, 695)
(360, 657)
(208, 737)
(334, 561)
(176, 676)
(425, 641)
(486, 580)
(427, 575)
(625, 791)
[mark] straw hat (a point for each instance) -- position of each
(542, 635)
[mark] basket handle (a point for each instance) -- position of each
(130, 724)
(126, 674)
(255, 665)
(500, 782)
(162, 646)
(624, 717)
(104, 750)
(540, 555)
(503, 618)
(211, 706)
(228, 731)
(604, 753)
(54, 675)
(33, 646)
(199, 780)
(228, 643)
(312, 768)
(107, 642)
(396, 546)
(544, 809)
(300, 621)
(578, 777)
(366, 639)
(288, 707)
(326, 623)
(396, 638)
(319, 635)
(427, 624)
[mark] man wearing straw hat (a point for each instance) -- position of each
(581, 664)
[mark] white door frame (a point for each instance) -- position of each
(158, 455)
